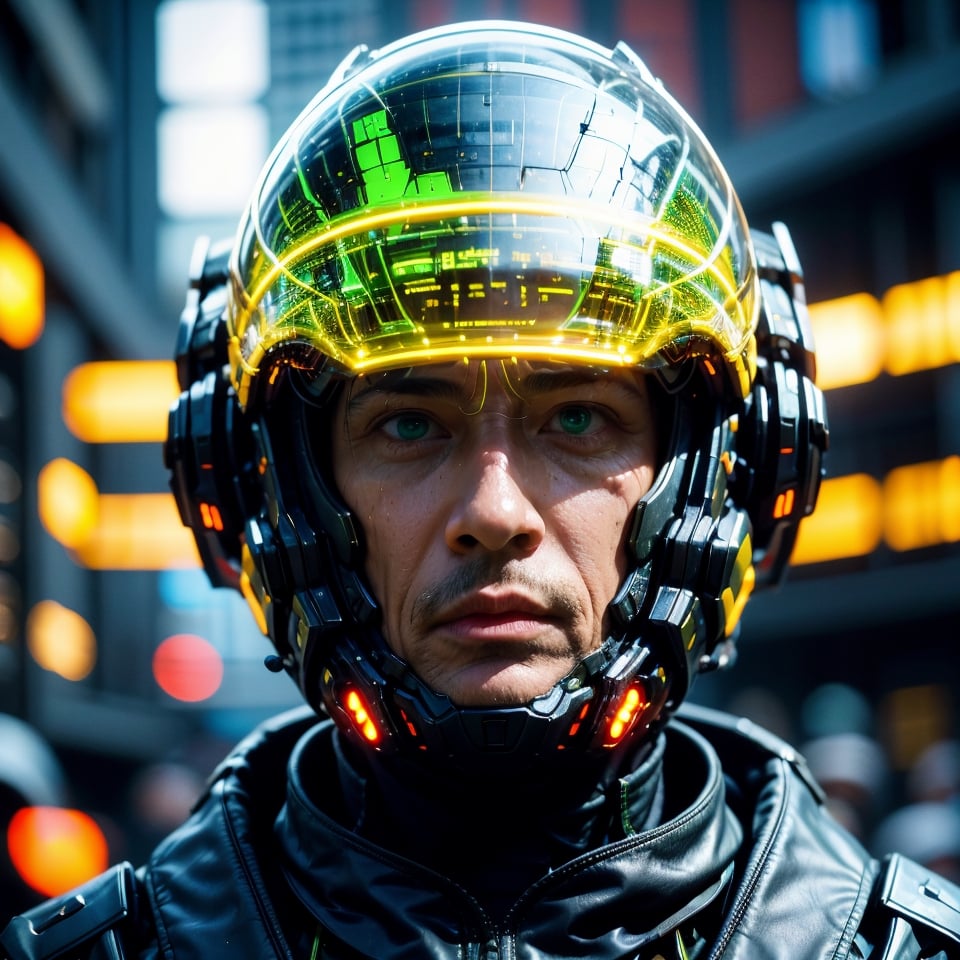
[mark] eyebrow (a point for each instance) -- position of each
(535, 383)
(401, 383)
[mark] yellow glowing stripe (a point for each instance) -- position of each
(403, 267)
(413, 211)
(120, 401)
(496, 350)
(733, 606)
(259, 615)
(251, 587)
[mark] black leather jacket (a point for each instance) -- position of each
(748, 866)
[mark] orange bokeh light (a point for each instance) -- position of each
(55, 849)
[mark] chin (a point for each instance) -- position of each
(489, 685)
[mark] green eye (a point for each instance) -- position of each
(410, 426)
(575, 420)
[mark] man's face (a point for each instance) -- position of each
(495, 499)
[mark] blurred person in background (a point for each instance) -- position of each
(30, 776)
(845, 756)
(497, 412)
(853, 772)
(935, 774)
(927, 827)
(46, 846)
(926, 831)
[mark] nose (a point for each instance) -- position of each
(492, 510)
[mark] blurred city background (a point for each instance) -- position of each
(127, 129)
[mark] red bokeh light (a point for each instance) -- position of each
(187, 668)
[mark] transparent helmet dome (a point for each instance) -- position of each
(495, 189)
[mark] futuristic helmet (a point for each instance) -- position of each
(496, 190)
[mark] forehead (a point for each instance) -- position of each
(523, 379)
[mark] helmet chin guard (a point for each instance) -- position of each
(747, 427)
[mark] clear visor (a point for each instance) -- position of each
(605, 233)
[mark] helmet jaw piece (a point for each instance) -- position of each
(323, 283)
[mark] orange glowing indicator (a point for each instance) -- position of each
(361, 717)
(626, 714)
(575, 726)
(210, 515)
(410, 726)
(784, 505)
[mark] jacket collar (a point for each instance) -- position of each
(616, 897)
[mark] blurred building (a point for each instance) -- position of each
(127, 129)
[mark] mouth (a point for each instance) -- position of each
(499, 618)
(498, 645)
(506, 626)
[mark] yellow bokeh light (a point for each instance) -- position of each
(60, 640)
(850, 340)
(21, 290)
(67, 502)
(119, 531)
(138, 531)
(120, 401)
(848, 521)
(923, 320)
(922, 504)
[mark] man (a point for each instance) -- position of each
(496, 415)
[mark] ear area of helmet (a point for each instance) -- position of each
(696, 366)
(209, 448)
(292, 367)
(782, 434)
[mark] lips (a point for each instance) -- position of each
(495, 617)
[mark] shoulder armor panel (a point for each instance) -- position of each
(928, 903)
(85, 923)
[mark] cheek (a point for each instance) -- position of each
(600, 522)
(394, 546)
(596, 527)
